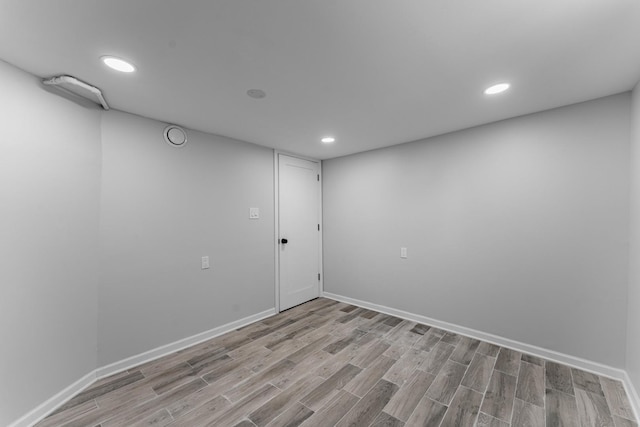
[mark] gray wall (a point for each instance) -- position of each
(633, 325)
(163, 208)
(49, 213)
(517, 228)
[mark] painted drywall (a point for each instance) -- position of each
(163, 208)
(517, 228)
(633, 322)
(49, 215)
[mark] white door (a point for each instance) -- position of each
(299, 229)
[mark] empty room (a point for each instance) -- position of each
(319, 213)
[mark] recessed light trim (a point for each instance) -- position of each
(118, 64)
(496, 89)
(328, 140)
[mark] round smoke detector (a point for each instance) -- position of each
(175, 136)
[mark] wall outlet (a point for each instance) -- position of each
(205, 262)
(403, 252)
(254, 213)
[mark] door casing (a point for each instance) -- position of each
(276, 186)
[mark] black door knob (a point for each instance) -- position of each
(284, 241)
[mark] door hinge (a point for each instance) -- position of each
(318, 276)
(318, 177)
(318, 227)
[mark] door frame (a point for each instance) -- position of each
(276, 194)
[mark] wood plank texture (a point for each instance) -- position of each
(366, 379)
(386, 420)
(465, 350)
(488, 349)
(623, 422)
(315, 398)
(405, 401)
(561, 409)
(446, 383)
(508, 361)
(558, 377)
(428, 413)
(333, 410)
(485, 420)
(527, 414)
(587, 381)
(326, 363)
(617, 398)
(498, 399)
(272, 409)
(464, 409)
(370, 406)
(593, 409)
(293, 416)
(531, 384)
(479, 373)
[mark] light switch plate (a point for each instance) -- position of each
(403, 252)
(254, 213)
(205, 262)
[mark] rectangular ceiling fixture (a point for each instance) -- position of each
(77, 87)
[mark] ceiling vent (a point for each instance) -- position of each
(76, 87)
(175, 136)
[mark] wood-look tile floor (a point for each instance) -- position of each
(326, 363)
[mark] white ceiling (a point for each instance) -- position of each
(372, 73)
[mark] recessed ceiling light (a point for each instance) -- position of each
(328, 140)
(118, 64)
(256, 93)
(500, 87)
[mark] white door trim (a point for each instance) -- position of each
(276, 204)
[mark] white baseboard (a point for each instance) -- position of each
(544, 353)
(147, 356)
(39, 413)
(54, 402)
